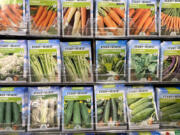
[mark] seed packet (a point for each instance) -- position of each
(170, 61)
(141, 108)
(13, 61)
(77, 61)
(111, 60)
(77, 108)
(142, 17)
(43, 17)
(168, 17)
(44, 60)
(44, 108)
(168, 102)
(143, 60)
(13, 17)
(12, 109)
(110, 107)
(110, 18)
(77, 18)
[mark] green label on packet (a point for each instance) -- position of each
(10, 99)
(170, 5)
(139, 95)
(171, 52)
(71, 53)
(11, 2)
(76, 4)
(11, 50)
(144, 51)
(77, 97)
(109, 95)
(43, 2)
(172, 90)
(7, 89)
(111, 51)
(170, 99)
(143, 6)
(43, 51)
(111, 4)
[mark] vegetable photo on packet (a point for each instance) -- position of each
(110, 18)
(77, 61)
(169, 18)
(142, 18)
(143, 60)
(170, 61)
(77, 18)
(43, 108)
(12, 17)
(110, 112)
(110, 60)
(13, 65)
(44, 17)
(141, 108)
(12, 108)
(44, 60)
(77, 108)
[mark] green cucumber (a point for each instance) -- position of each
(141, 107)
(175, 116)
(8, 113)
(85, 115)
(114, 110)
(2, 108)
(69, 112)
(173, 106)
(139, 102)
(16, 113)
(107, 112)
(132, 100)
(77, 114)
(100, 102)
(143, 115)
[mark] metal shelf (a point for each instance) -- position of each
(90, 84)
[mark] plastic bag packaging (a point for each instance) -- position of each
(77, 108)
(143, 60)
(170, 61)
(110, 110)
(168, 101)
(44, 108)
(110, 18)
(142, 18)
(13, 61)
(141, 108)
(77, 61)
(111, 60)
(12, 108)
(77, 18)
(13, 17)
(168, 18)
(44, 61)
(43, 17)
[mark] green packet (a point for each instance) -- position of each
(141, 108)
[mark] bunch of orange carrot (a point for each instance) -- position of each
(170, 20)
(110, 20)
(44, 18)
(10, 17)
(76, 20)
(141, 21)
